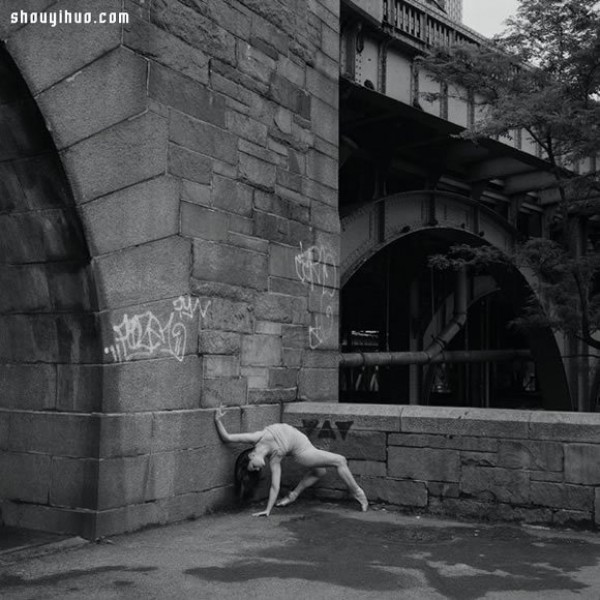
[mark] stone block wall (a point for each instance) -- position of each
(199, 143)
(485, 464)
(168, 466)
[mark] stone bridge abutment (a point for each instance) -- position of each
(169, 230)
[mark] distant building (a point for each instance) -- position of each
(453, 8)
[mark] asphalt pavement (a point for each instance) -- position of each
(314, 550)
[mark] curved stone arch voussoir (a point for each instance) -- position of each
(50, 342)
(370, 228)
(48, 296)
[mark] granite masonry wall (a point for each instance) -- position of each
(535, 467)
(197, 145)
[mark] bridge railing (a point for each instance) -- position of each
(423, 27)
(420, 23)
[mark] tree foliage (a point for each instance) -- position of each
(542, 76)
(566, 293)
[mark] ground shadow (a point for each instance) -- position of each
(15, 581)
(460, 562)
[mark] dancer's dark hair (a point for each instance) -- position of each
(245, 481)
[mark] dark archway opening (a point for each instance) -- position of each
(380, 312)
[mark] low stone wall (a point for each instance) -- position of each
(537, 467)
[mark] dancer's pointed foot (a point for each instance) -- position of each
(361, 497)
(291, 497)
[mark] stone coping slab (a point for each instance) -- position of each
(475, 422)
(566, 426)
(380, 417)
(449, 421)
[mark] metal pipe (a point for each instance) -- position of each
(435, 350)
(458, 320)
(371, 359)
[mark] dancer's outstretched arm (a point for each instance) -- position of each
(275, 464)
(249, 438)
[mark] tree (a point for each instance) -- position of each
(542, 76)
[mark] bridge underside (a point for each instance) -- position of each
(410, 188)
(388, 147)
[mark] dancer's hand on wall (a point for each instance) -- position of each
(219, 413)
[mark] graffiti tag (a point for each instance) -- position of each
(327, 431)
(144, 335)
(316, 268)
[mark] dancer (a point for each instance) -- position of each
(273, 443)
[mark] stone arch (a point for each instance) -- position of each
(371, 228)
(50, 343)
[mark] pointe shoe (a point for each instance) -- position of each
(291, 497)
(361, 497)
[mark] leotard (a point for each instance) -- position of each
(289, 441)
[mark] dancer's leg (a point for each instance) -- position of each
(314, 458)
(309, 479)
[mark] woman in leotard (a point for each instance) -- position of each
(278, 440)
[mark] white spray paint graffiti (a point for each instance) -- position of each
(316, 268)
(144, 336)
